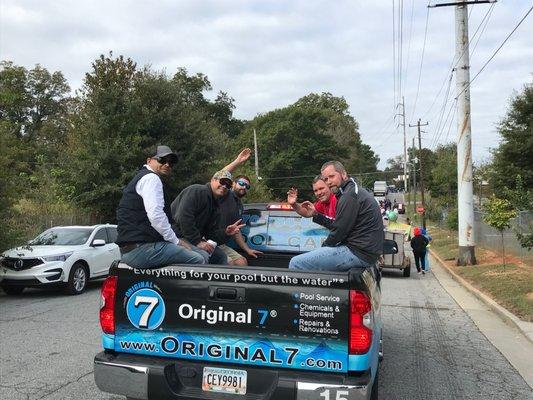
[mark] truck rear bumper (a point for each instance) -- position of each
(141, 377)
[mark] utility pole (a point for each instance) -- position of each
(465, 198)
(421, 171)
(414, 177)
(256, 154)
(404, 148)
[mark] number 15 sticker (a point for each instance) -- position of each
(146, 309)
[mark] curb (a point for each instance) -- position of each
(508, 317)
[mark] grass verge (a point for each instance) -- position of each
(511, 286)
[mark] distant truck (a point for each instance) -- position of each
(380, 188)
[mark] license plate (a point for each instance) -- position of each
(224, 380)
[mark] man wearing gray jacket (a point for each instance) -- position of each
(356, 234)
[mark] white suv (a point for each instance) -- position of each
(61, 256)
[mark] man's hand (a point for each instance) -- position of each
(234, 228)
(184, 243)
(308, 209)
(205, 246)
(253, 253)
(244, 155)
(292, 196)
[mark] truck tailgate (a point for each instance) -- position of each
(237, 315)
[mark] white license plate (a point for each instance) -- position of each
(224, 380)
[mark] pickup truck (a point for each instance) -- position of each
(255, 332)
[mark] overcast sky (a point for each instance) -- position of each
(268, 54)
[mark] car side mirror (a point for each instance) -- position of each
(98, 243)
(390, 247)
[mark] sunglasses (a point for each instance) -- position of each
(244, 184)
(225, 183)
(165, 160)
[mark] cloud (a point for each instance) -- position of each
(266, 55)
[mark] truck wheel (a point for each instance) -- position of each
(374, 393)
(12, 290)
(77, 279)
(407, 271)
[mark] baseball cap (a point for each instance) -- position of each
(164, 151)
(223, 175)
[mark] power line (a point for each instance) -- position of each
(455, 60)
(312, 176)
(498, 49)
(421, 63)
(487, 18)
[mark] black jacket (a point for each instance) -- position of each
(357, 224)
(419, 243)
(196, 215)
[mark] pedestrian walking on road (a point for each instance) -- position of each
(419, 243)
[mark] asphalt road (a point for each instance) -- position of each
(432, 348)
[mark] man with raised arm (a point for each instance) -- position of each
(326, 202)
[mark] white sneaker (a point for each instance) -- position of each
(423, 272)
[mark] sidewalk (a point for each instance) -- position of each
(511, 336)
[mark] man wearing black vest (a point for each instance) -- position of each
(145, 235)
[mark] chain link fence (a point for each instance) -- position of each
(490, 238)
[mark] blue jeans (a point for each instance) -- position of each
(152, 255)
(218, 256)
(338, 258)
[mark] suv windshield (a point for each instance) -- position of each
(62, 236)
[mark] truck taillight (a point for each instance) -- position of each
(107, 307)
(360, 323)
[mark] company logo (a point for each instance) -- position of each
(19, 264)
(145, 308)
(213, 316)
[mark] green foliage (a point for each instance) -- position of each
(124, 113)
(344, 129)
(513, 156)
(292, 142)
(498, 213)
(452, 219)
(443, 182)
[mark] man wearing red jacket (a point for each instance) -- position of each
(326, 203)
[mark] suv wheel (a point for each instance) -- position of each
(12, 290)
(77, 279)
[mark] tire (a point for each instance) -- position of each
(375, 385)
(77, 279)
(13, 290)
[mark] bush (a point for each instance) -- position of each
(452, 219)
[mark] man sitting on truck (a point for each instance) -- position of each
(356, 233)
(326, 201)
(145, 236)
(197, 217)
(231, 210)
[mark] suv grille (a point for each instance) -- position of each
(19, 264)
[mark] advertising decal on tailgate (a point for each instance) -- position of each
(305, 328)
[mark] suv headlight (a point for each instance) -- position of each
(58, 257)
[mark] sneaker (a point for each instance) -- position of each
(423, 272)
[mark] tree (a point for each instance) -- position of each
(514, 154)
(293, 145)
(124, 112)
(443, 173)
(498, 214)
(344, 129)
